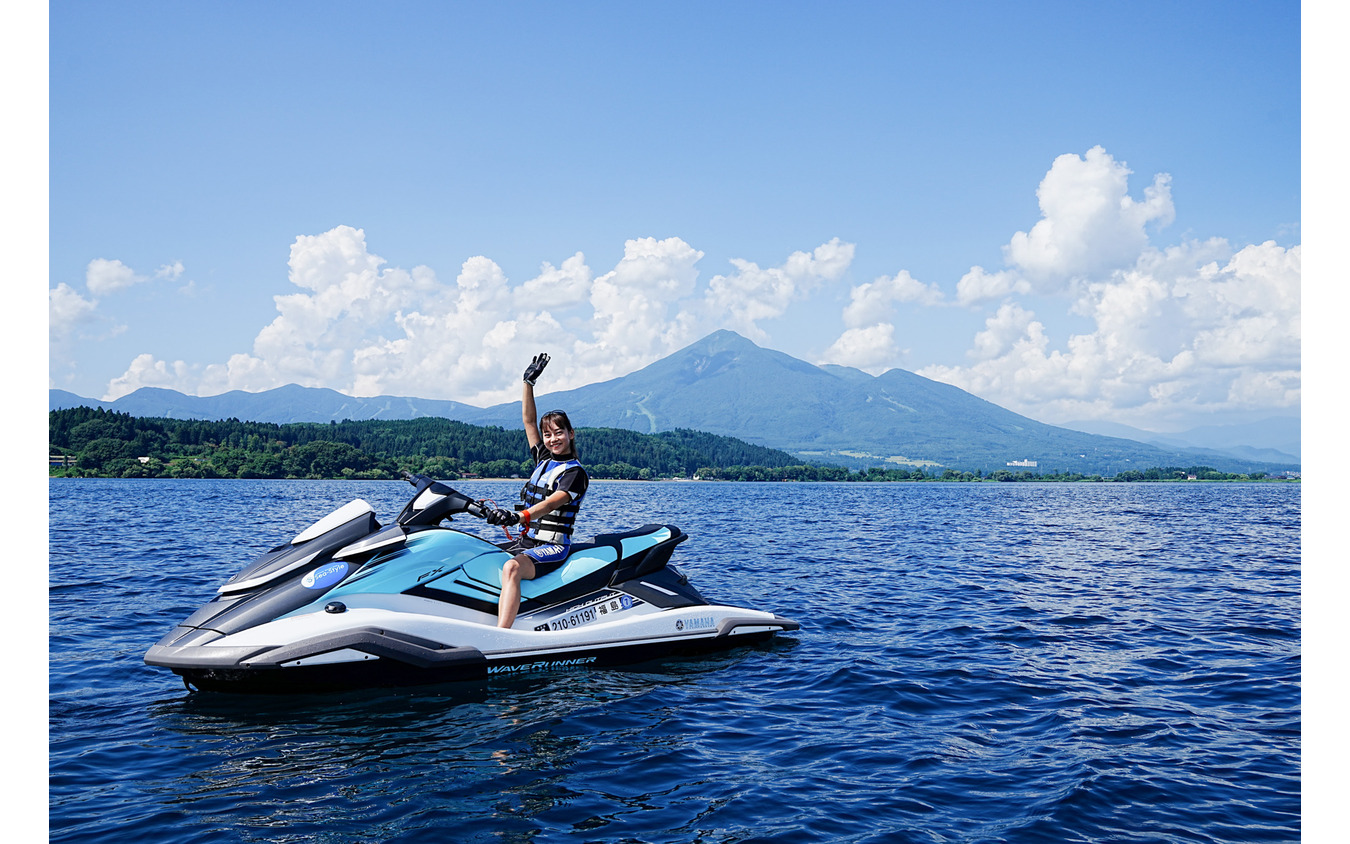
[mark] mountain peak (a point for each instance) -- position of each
(727, 335)
(722, 340)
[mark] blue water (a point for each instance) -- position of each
(977, 663)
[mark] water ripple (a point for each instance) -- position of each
(978, 663)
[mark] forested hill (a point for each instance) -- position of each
(97, 442)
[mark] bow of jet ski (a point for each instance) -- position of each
(349, 603)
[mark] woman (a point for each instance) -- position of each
(552, 497)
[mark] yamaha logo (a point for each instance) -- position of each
(679, 625)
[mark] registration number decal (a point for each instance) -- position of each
(582, 616)
(578, 616)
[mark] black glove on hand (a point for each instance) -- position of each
(535, 368)
(498, 516)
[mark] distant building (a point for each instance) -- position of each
(1028, 464)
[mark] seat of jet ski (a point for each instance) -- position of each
(587, 564)
(581, 562)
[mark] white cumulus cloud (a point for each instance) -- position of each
(868, 342)
(1159, 332)
(636, 308)
(355, 324)
(172, 271)
(1191, 327)
(560, 287)
(73, 317)
(104, 276)
(146, 371)
(753, 293)
(66, 309)
(875, 301)
(1090, 224)
(1170, 337)
(979, 285)
(871, 348)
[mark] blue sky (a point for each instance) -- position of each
(1075, 210)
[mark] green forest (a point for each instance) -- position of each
(86, 442)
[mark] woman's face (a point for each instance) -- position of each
(557, 439)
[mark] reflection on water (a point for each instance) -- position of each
(511, 743)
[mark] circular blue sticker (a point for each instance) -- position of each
(324, 576)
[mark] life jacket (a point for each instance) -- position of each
(556, 525)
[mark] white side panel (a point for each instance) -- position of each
(699, 622)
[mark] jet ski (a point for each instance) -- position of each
(349, 603)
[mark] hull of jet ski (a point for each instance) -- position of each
(380, 655)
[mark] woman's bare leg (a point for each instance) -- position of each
(519, 567)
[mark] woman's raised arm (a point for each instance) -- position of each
(529, 415)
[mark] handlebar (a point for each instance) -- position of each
(443, 502)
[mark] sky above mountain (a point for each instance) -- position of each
(1075, 211)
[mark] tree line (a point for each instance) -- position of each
(94, 442)
(880, 474)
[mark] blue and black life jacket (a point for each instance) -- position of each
(556, 525)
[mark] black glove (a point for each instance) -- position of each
(535, 368)
(498, 516)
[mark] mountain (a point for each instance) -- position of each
(291, 403)
(1281, 438)
(727, 385)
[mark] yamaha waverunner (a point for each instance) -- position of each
(349, 603)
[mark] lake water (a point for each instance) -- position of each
(976, 663)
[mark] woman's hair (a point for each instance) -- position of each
(560, 419)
